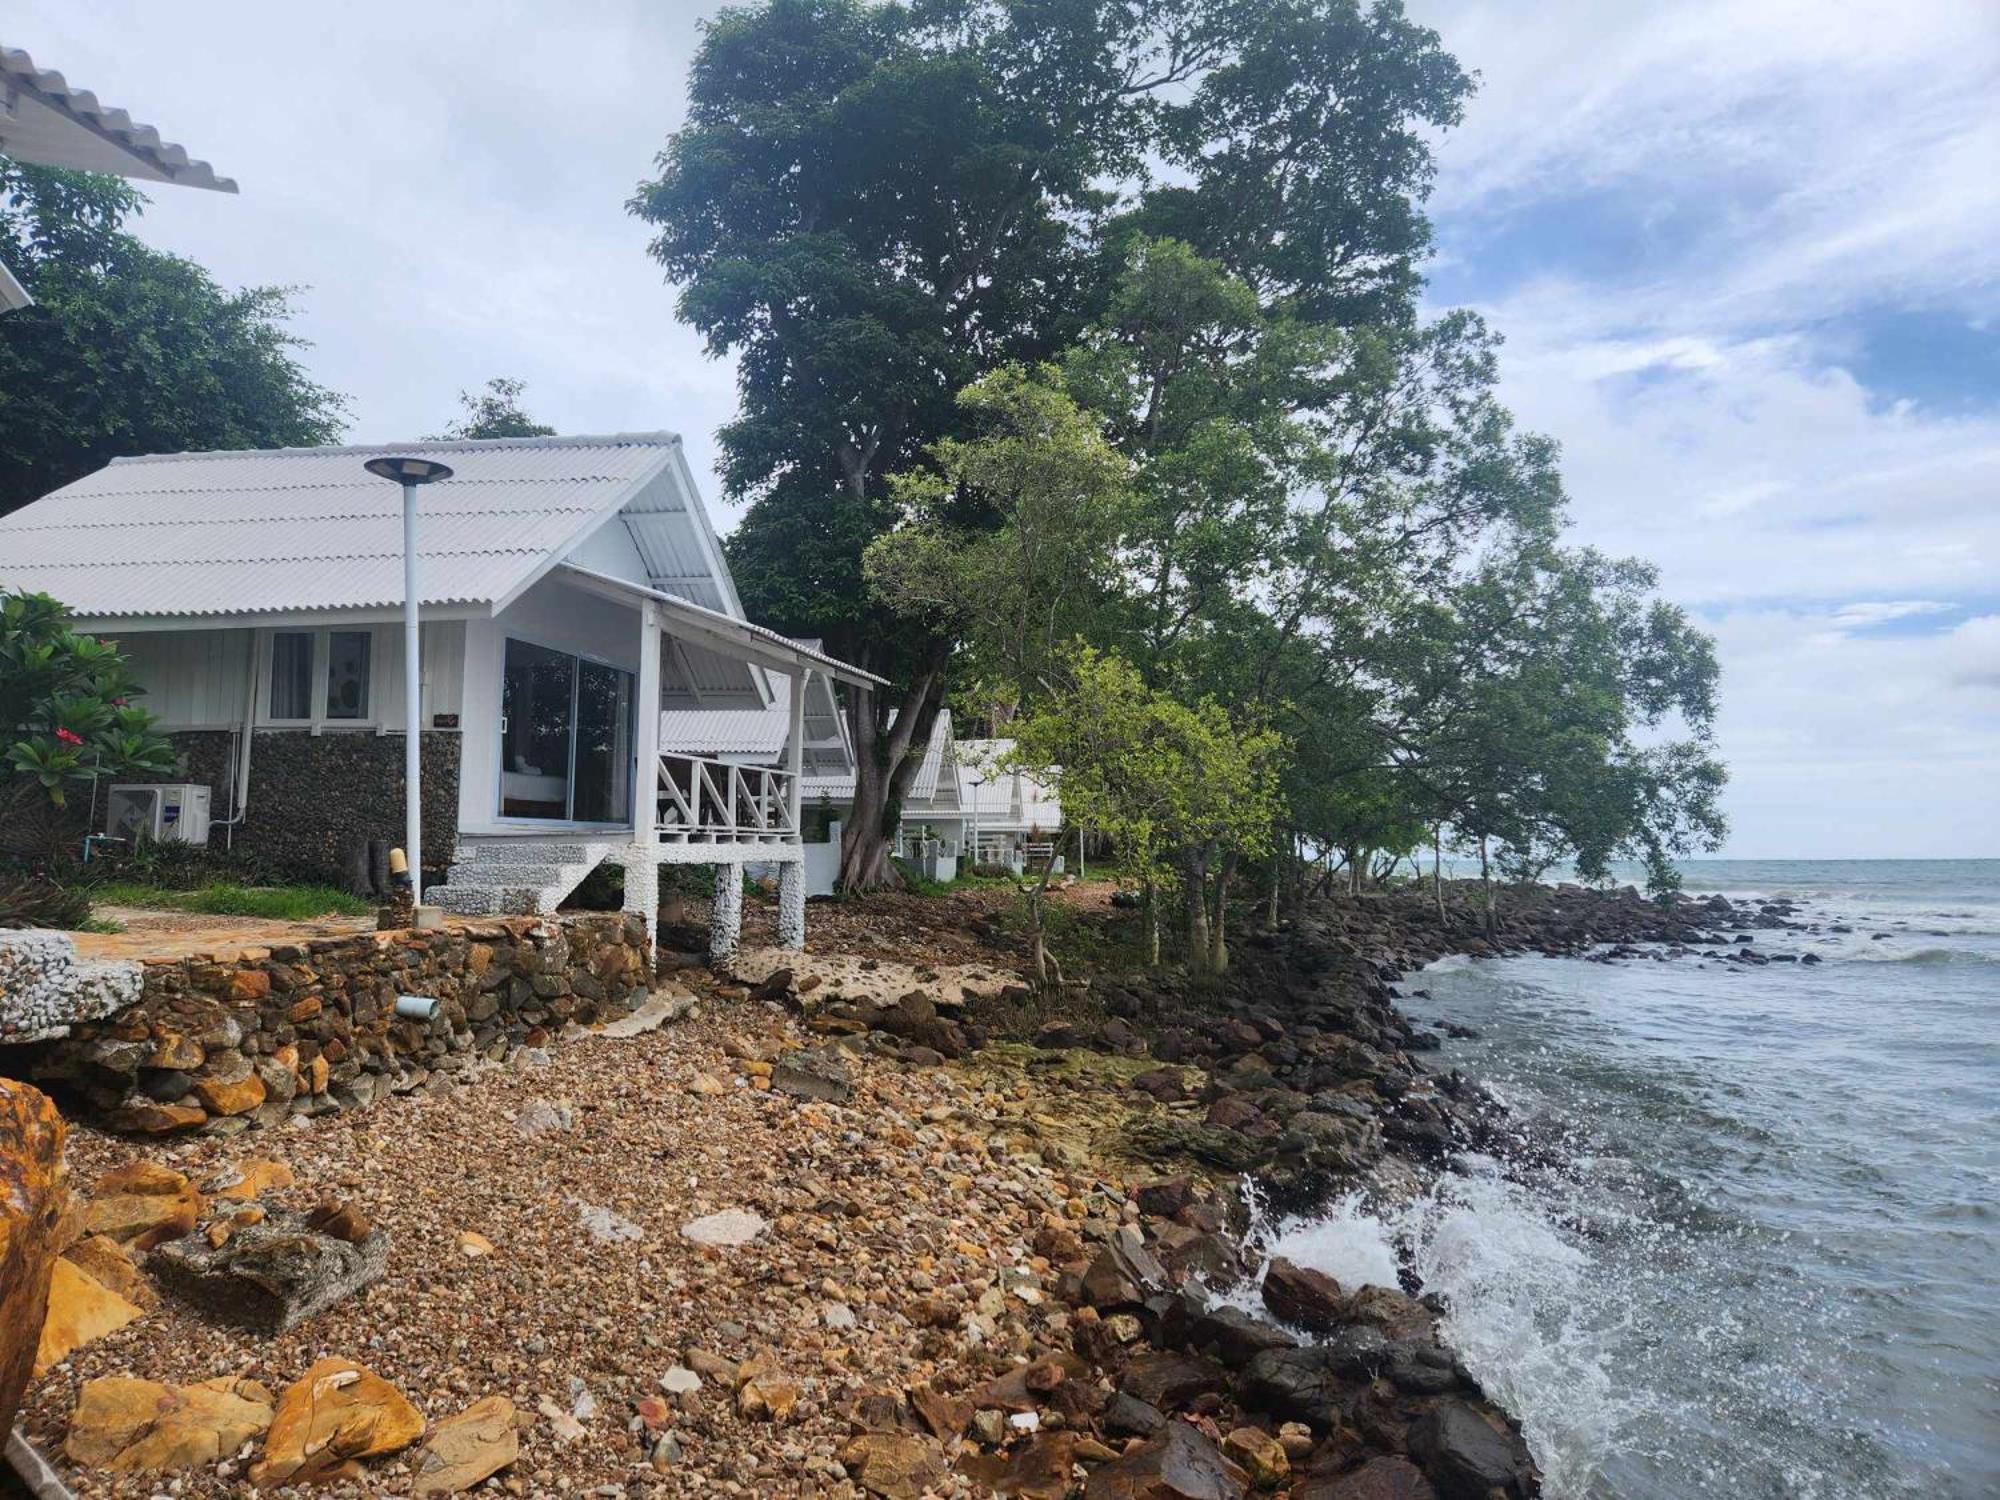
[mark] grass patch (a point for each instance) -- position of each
(281, 903)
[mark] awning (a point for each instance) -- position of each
(726, 633)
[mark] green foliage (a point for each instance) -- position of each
(280, 903)
(1183, 790)
(66, 715)
(873, 206)
(33, 900)
(494, 413)
(131, 350)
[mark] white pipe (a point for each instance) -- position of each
(240, 803)
(413, 799)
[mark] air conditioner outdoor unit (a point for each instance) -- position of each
(172, 814)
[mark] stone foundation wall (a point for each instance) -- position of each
(226, 1042)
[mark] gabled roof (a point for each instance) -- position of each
(44, 120)
(1006, 798)
(291, 529)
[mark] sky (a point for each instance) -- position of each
(1745, 255)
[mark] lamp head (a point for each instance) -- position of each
(407, 468)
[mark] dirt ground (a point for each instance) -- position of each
(176, 934)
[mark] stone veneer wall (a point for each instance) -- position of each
(316, 798)
(227, 1042)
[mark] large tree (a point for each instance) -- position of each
(496, 412)
(131, 350)
(871, 206)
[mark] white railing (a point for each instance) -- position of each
(711, 801)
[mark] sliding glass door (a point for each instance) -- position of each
(565, 737)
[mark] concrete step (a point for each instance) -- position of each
(534, 852)
(493, 875)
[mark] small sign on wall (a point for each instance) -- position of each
(444, 721)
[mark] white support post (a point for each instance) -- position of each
(642, 870)
(792, 875)
(725, 916)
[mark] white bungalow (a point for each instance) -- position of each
(1011, 816)
(576, 610)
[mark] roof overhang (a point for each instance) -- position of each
(12, 294)
(725, 633)
(45, 121)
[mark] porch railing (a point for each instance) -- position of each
(712, 801)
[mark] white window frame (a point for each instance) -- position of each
(318, 722)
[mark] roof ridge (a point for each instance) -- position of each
(660, 439)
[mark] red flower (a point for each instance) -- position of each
(68, 737)
(120, 702)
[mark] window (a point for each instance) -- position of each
(291, 674)
(347, 656)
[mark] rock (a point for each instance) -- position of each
(1234, 1336)
(1125, 1415)
(108, 1263)
(249, 1179)
(1386, 1478)
(339, 1221)
(1259, 1455)
(894, 1465)
(766, 1399)
(336, 1411)
(1168, 1380)
(1037, 1470)
(680, 1381)
(1124, 1274)
(142, 1205)
(814, 1073)
(462, 1450)
(1176, 1464)
(81, 1308)
(1303, 1297)
(473, 1245)
(945, 1416)
(236, 1096)
(1399, 1315)
(605, 1225)
(128, 1424)
(1307, 1384)
(1467, 1456)
(34, 1208)
(144, 1117)
(1165, 1198)
(273, 1275)
(733, 1226)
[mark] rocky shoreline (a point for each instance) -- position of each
(877, 1222)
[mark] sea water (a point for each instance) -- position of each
(1764, 1259)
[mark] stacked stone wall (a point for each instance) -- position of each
(249, 1038)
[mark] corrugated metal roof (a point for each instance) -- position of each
(1005, 798)
(45, 120)
(309, 529)
(724, 731)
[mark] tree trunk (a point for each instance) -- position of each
(1437, 868)
(1218, 943)
(1486, 881)
(1197, 913)
(1277, 881)
(884, 764)
(1152, 924)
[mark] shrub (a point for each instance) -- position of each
(29, 900)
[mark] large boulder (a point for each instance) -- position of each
(335, 1413)
(34, 1203)
(142, 1204)
(1179, 1463)
(1303, 1297)
(462, 1450)
(1469, 1455)
(1309, 1384)
(81, 1308)
(123, 1423)
(272, 1275)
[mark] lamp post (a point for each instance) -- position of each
(972, 866)
(410, 471)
